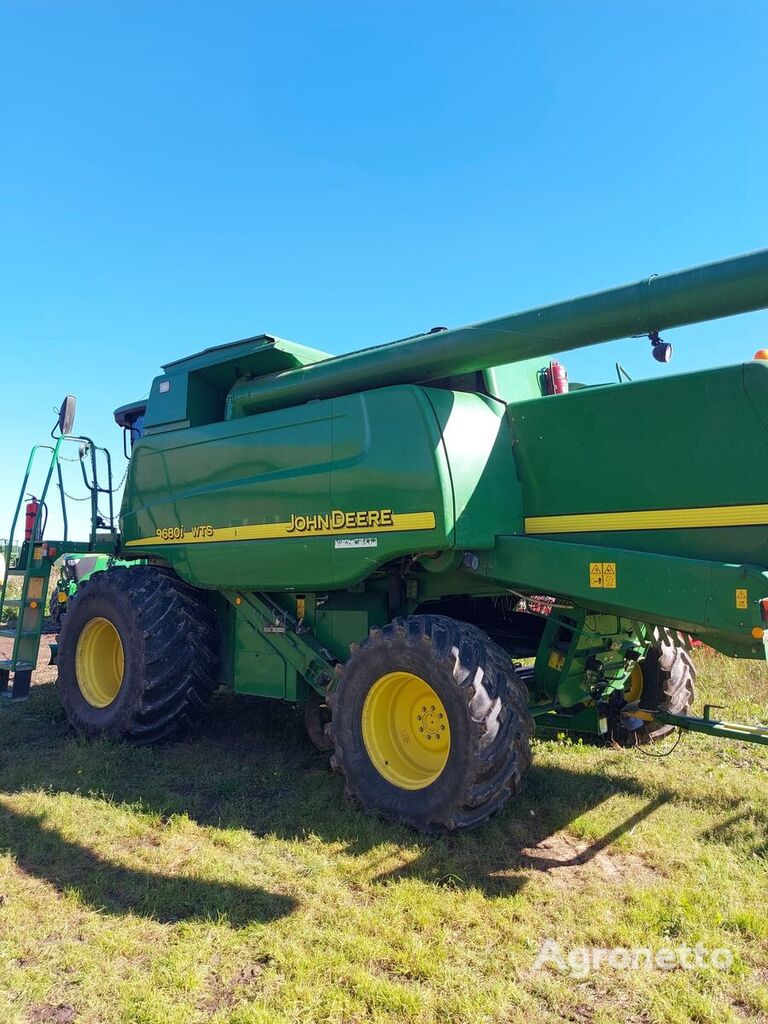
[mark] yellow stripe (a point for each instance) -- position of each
(271, 531)
(653, 519)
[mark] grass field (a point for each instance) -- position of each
(226, 879)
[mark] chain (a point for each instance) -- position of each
(116, 487)
(125, 474)
(71, 497)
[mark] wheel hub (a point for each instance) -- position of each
(428, 722)
(99, 662)
(405, 730)
(633, 689)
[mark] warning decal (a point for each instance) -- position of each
(602, 575)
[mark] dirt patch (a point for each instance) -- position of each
(44, 673)
(47, 1013)
(567, 860)
(242, 985)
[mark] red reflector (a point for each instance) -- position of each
(764, 609)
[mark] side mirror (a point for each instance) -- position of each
(67, 415)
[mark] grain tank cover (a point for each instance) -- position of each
(251, 357)
(193, 390)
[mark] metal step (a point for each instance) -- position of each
(17, 690)
(20, 666)
(15, 632)
(33, 572)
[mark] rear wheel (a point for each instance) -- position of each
(664, 680)
(430, 724)
(136, 656)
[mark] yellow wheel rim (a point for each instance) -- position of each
(405, 730)
(634, 689)
(99, 662)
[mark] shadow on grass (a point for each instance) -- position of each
(747, 827)
(252, 767)
(115, 889)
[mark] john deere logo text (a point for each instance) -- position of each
(336, 521)
(325, 524)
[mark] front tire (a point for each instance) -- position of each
(430, 724)
(136, 657)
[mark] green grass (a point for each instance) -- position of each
(226, 879)
(8, 615)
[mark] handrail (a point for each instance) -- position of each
(26, 550)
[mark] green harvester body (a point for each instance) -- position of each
(315, 498)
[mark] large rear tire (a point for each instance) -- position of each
(430, 724)
(137, 656)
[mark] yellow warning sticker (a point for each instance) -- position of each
(602, 575)
(741, 598)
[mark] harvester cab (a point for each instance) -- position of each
(382, 536)
(131, 419)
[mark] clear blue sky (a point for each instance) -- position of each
(175, 175)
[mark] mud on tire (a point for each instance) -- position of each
(169, 650)
(486, 704)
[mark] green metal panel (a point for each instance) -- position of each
(514, 382)
(344, 618)
(295, 499)
(486, 498)
(262, 625)
(185, 485)
(710, 599)
(693, 441)
(258, 668)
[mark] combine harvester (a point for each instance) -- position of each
(368, 535)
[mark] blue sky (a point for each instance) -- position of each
(176, 175)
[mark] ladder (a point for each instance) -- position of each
(36, 556)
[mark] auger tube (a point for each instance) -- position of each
(707, 292)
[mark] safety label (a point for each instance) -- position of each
(602, 575)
